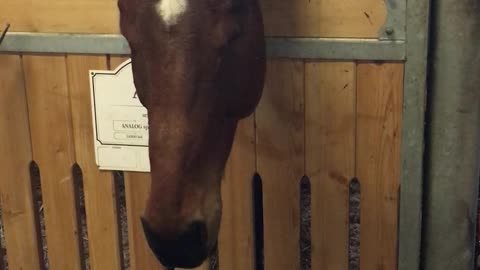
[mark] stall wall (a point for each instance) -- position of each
(326, 122)
(315, 18)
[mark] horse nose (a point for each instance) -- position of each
(187, 250)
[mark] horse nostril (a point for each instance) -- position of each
(187, 250)
(198, 232)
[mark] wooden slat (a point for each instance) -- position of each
(137, 187)
(330, 157)
(321, 18)
(280, 161)
(85, 16)
(235, 246)
(15, 156)
(53, 150)
(2, 257)
(379, 108)
(103, 242)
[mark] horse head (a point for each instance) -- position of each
(198, 68)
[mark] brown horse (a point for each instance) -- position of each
(198, 67)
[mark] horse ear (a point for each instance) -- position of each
(140, 76)
(128, 10)
(244, 65)
(230, 20)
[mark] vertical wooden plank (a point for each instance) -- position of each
(280, 161)
(323, 18)
(379, 109)
(15, 156)
(61, 16)
(53, 150)
(235, 245)
(100, 205)
(2, 244)
(330, 157)
(137, 186)
(313, 18)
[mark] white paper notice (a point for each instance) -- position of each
(120, 121)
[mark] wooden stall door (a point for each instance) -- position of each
(348, 116)
(53, 150)
(280, 161)
(379, 114)
(98, 186)
(330, 152)
(314, 18)
(236, 239)
(16, 199)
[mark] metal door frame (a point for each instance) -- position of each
(404, 37)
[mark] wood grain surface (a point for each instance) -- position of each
(330, 157)
(15, 156)
(98, 186)
(53, 150)
(280, 161)
(379, 110)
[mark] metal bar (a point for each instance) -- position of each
(415, 87)
(336, 49)
(453, 137)
(316, 48)
(394, 27)
(64, 43)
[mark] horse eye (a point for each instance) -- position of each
(236, 35)
(229, 42)
(233, 38)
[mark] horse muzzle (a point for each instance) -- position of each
(187, 250)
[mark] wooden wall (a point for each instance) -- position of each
(331, 121)
(319, 18)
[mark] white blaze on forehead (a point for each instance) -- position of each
(170, 10)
